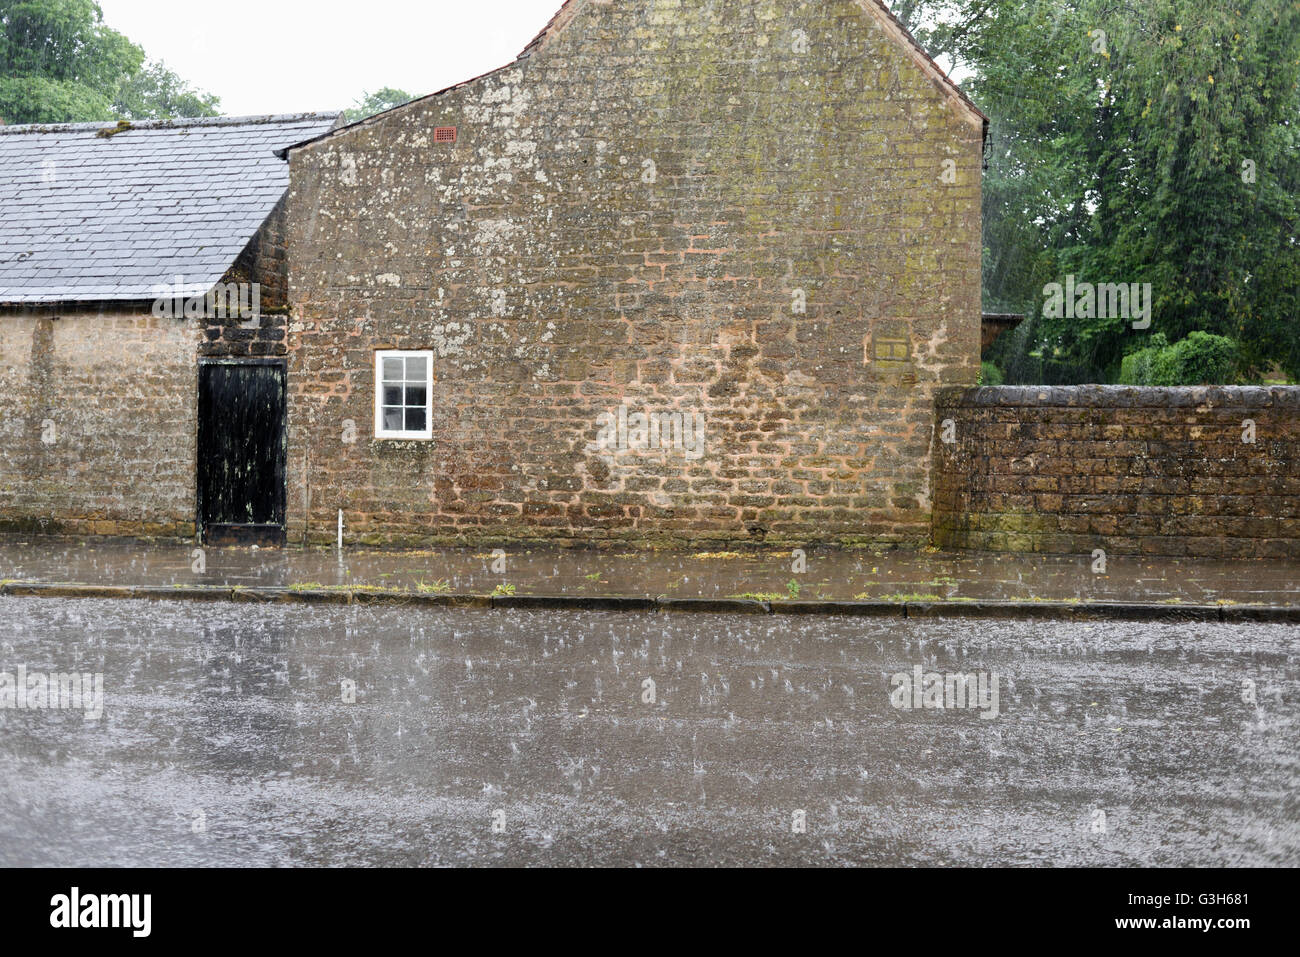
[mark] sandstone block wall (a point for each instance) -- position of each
(1211, 472)
(97, 423)
(265, 262)
(762, 213)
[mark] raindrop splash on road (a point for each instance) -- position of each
(264, 734)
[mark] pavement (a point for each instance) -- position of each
(816, 580)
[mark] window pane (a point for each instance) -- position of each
(415, 395)
(392, 370)
(417, 369)
(392, 420)
(392, 395)
(415, 420)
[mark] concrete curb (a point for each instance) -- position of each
(733, 606)
(576, 602)
(861, 609)
(1016, 610)
(420, 599)
(189, 593)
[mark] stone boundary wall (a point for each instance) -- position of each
(1208, 471)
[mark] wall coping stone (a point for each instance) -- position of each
(1120, 396)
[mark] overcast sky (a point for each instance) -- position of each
(288, 56)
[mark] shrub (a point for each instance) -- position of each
(1203, 358)
(990, 374)
(1135, 369)
(1199, 359)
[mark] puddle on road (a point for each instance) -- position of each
(232, 717)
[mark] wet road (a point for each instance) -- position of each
(512, 737)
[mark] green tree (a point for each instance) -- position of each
(156, 93)
(1136, 141)
(59, 63)
(1201, 182)
(368, 104)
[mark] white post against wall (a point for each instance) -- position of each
(340, 528)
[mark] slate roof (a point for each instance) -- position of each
(87, 217)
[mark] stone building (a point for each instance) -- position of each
(684, 270)
(136, 262)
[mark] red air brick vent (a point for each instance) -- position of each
(444, 134)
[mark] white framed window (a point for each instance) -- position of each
(403, 393)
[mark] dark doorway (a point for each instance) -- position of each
(241, 446)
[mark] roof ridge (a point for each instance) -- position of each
(177, 123)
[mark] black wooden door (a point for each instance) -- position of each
(241, 446)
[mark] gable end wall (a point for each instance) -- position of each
(631, 216)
